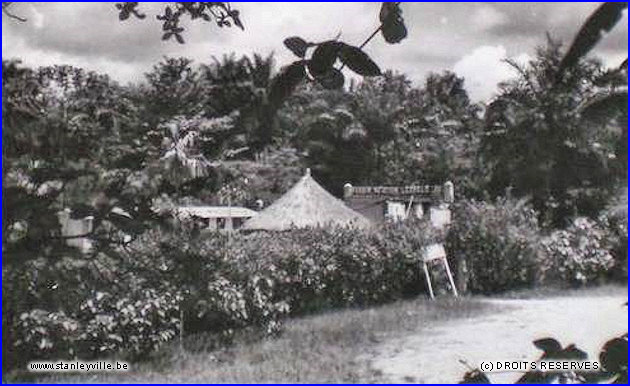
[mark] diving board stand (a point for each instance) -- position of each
(440, 218)
(431, 253)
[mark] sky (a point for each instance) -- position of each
(471, 39)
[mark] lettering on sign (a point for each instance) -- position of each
(429, 191)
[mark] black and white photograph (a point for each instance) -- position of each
(314, 192)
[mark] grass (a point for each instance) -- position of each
(328, 348)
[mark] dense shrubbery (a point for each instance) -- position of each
(253, 278)
(497, 243)
(133, 325)
(54, 312)
(220, 283)
(501, 247)
(617, 227)
(581, 253)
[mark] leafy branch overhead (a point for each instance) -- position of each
(320, 66)
(600, 22)
(6, 11)
(221, 13)
(392, 23)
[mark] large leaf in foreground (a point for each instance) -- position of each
(600, 22)
(548, 345)
(358, 61)
(392, 23)
(603, 105)
(297, 45)
(332, 80)
(286, 81)
(324, 57)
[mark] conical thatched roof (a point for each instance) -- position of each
(306, 204)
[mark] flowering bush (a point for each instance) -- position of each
(69, 309)
(223, 279)
(617, 229)
(579, 254)
(497, 243)
(46, 335)
(133, 325)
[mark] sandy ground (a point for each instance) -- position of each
(433, 355)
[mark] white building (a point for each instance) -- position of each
(218, 217)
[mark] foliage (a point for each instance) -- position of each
(44, 335)
(71, 140)
(173, 87)
(241, 85)
(127, 155)
(384, 131)
(189, 143)
(591, 32)
(217, 294)
(219, 12)
(580, 254)
(617, 231)
(262, 275)
(319, 124)
(6, 11)
(220, 283)
(266, 179)
(78, 309)
(320, 66)
(133, 325)
(393, 26)
(76, 140)
(231, 86)
(439, 136)
(497, 243)
(501, 246)
(538, 142)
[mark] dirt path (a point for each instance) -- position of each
(433, 356)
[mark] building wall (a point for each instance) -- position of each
(378, 209)
(76, 227)
(372, 209)
(379, 204)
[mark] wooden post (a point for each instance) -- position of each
(409, 208)
(450, 276)
(229, 219)
(181, 328)
(462, 275)
(428, 278)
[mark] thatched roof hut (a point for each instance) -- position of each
(306, 204)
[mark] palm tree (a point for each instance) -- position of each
(239, 85)
(539, 141)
